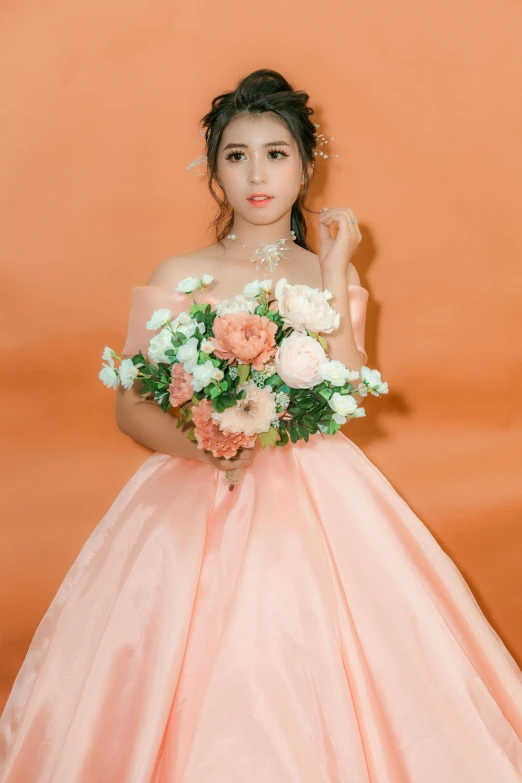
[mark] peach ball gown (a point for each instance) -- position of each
(304, 628)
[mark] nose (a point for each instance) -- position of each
(257, 171)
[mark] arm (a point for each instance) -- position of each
(341, 343)
(144, 421)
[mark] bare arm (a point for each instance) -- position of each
(144, 421)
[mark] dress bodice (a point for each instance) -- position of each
(147, 298)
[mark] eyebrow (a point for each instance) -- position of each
(268, 144)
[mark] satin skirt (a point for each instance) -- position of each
(304, 628)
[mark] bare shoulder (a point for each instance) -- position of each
(170, 271)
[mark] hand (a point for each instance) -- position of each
(243, 459)
(335, 253)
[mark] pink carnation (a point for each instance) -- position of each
(211, 438)
(248, 338)
(180, 388)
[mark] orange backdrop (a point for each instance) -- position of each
(100, 111)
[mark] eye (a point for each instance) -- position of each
(280, 152)
(231, 155)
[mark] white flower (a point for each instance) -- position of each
(219, 374)
(202, 328)
(336, 373)
(184, 326)
(305, 308)
(206, 280)
(206, 346)
(252, 289)
(161, 342)
(203, 374)
(109, 376)
(108, 355)
(343, 405)
(128, 372)
(372, 379)
(327, 294)
(188, 354)
(187, 285)
(239, 304)
(158, 318)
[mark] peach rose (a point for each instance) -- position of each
(248, 338)
(298, 359)
(180, 388)
(211, 438)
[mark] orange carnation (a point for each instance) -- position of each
(180, 388)
(248, 338)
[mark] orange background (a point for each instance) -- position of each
(100, 112)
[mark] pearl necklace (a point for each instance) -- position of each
(270, 252)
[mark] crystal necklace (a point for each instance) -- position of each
(269, 253)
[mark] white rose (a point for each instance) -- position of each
(252, 289)
(343, 405)
(109, 376)
(188, 354)
(336, 373)
(207, 279)
(219, 374)
(305, 308)
(266, 285)
(108, 355)
(202, 375)
(161, 342)
(159, 318)
(206, 346)
(128, 373)
(188, 328)
(239, 304)
(372, 379)
(187, 285)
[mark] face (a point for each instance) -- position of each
(259, 155)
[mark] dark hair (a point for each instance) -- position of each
(260, 92)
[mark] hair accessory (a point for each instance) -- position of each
(320, 138)
(268, 253)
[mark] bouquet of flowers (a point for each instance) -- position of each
(255, 367)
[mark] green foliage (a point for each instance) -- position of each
(243, 371)
(269, 438)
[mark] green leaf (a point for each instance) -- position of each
(191, 435)
(215, 391)
(224, 384)
(326, 393)
(322, 342)
(294, 434)
(269, 438)
(243, 371)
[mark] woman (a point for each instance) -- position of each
(305, 627)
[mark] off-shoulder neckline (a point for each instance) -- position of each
(207, 294)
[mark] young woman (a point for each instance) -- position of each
(304, 628)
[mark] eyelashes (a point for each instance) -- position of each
(231, 154)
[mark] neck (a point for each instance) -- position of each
(250, 233)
